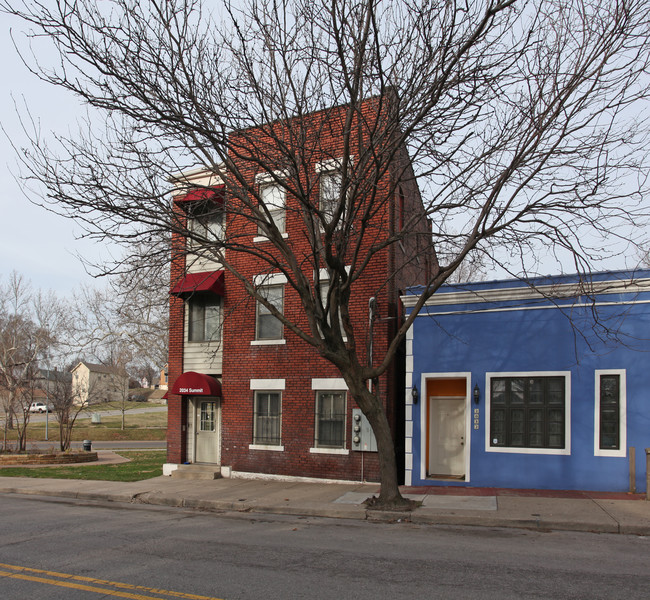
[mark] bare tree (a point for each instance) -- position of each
(30, 326)
(120, 357)
(65, 403)
(144, 323)
(521, 120)
(131, 312)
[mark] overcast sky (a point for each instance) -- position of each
(34, 242)
(42, 246)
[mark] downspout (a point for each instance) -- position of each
(372, 308)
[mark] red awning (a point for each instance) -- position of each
(209, 281)
(191, 383)
(218, 194)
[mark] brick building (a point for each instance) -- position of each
(246, 392)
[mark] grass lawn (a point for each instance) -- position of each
(144, 465)
(104, 406)
(140, 426)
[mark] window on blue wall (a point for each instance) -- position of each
(610, 437)
(610, 398)
(527, 412)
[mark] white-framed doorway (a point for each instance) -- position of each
(206, 426)
(446, 426)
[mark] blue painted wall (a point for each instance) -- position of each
(535, 335)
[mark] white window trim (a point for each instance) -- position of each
(341, 451)
(567, 412)
(268, 385)
(622, 451)
(265, 447)
(272, 177)
(272, 385)
(264, 279)
(331, 164)
(267, 280)
(278, 342)
(262, 238)
(332, 383)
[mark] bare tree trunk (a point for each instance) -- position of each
(370, 404)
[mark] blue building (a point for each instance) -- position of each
(544, 386)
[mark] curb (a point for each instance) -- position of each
(418, 517)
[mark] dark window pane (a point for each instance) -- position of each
(498, 394)
(330, 193)
(610, 412)
(268, 327)
(267, 418)
(536, 390)
(527, 412)
(517, 387)
(206, 221)
(556, 390)
(204, 318)
(330, 419)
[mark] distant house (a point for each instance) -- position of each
(509, 388)
(47, 379)
(93, 383)
(162, 384)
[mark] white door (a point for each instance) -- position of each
(206, 439)
(446, 437)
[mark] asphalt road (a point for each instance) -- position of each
(70, 550)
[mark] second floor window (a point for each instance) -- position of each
(330, 183)
(204, 318)
(268, 327)
(206, 219)
(273, 197)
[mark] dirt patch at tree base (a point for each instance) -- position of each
(407, 505)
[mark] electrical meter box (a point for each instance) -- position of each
(363, 438)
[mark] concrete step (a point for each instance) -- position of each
(197, 472)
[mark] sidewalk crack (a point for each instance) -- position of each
(610, 515)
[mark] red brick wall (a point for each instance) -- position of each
(176, 411)
(295, 361)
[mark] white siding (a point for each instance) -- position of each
(203, 357)
(201, 264)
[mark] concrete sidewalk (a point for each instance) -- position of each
(533, 509)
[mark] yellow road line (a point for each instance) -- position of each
(77, 586)
(68, 580)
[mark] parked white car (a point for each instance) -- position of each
(38, 407)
